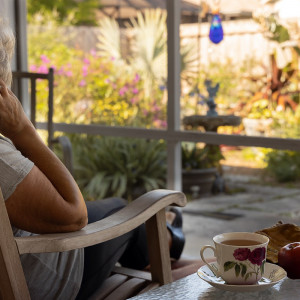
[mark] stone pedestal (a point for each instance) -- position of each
(210, 123)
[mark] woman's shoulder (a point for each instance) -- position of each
(5, 143)
(13, 165)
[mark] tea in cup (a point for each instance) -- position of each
(241, 257)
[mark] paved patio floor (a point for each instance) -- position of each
(255, 207)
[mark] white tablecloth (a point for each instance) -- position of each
(194, 288)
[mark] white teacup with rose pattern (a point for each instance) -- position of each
(241, 256)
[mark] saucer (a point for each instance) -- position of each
(272, 275)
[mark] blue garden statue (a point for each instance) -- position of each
(212, 92)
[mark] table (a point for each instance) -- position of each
(194, 288)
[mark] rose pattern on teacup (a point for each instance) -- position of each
(252, 262)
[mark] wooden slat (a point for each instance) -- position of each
(13, 283)
(119, 276)
(133, 273)
(129, 289)
(109, 285)
(125, 220)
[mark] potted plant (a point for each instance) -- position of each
(200, 167)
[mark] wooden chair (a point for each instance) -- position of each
(149, 208)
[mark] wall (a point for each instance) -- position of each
(242, 39)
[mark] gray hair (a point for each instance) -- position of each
(7, 44)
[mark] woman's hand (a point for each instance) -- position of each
(13, 119)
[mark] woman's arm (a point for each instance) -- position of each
(48, 199)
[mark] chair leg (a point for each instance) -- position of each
(13, 282)
(159, 253)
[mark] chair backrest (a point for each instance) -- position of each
(12, 280)
(63, 141)
(33, 77)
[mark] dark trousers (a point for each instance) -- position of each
(130, 250)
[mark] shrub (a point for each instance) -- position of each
(195, 157)
(283, 165)
(107, 166)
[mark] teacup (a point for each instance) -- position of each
(241, 256)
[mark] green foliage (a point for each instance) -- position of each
(286, 124)
(261, 110)
(278, 32)
(283, 165)
(232, 88)
(255, 155)
(84, 12)
(195, 157)
(126, 168)
(90, 88)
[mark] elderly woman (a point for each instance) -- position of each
(41, 196)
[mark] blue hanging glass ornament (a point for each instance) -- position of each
(216, 30)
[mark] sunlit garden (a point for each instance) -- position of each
(120, 79)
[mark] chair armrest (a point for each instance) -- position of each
(123, 221)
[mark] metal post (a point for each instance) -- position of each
(174, 148)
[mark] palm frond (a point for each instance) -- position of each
(109, 39)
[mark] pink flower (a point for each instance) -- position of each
(133, 100)
(164, 124)
(93, 52)
(136, 78)
(45, 59)
(86, 61)
(43, 69)
(135, 91)
(84, 71)
(123, 90)
(155, 108)
(257, 256)
(61, 71)
(69, 74)
(82, 83)
(33, 68)
(241, 254)
(159, 123)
